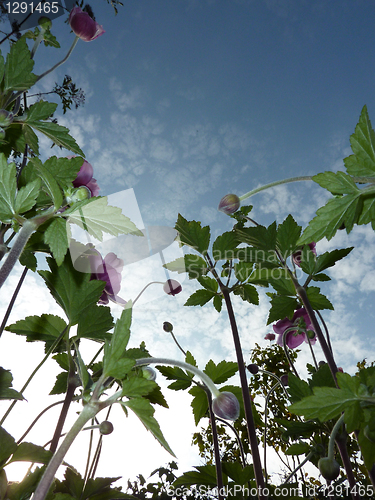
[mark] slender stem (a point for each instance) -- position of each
(326, 330)
(34, 372)
(181, 364)
(37, 418)
(239, 442)
(332, 437)
(307, 458)
(219, 472)
(13, 300)
(292, 328)
(177, 343)
(265, 427)
(144, 288)
(246, 398)
(88, 412)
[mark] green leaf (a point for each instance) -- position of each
(256, 256)
(367, 450)
(192, 264)
(144, 411)
(199, 298)
(6, 391)
(119, 368)
(308, 260)
(96, 216)
(362, 163)
(260, 237)
(41, 110)
(2, 67)
(118, 345)
(298, 449)
(137, 386)
(320, 277)
(224, 246)
(183, 379)
(336, 183)
(189, 358)
(193, 235)
(46, 328)
(58, 134)
(8, 189)
(49, 181)
(61, 384)
(82, 371)
(64, 170)
(95, 322)
(297, 388)
(322, 378)
(235, 471)
(204, 475)
(295, 429)
(199, 403)
(209, 284)
(7, 445)
(25, 489)
(329, 259)
(26, 197)
(281, 307)
(247, 293)
(218, 302)
(336, 212)
(317, 300)
(242, 270)
(72, 290)
(57, 239)
(18, 67)
(29, 452)
(287, 236)
(30, 138)
(222, 372)
(283, 286)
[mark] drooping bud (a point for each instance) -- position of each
(106, 427)
(329, 468)
(253, 368)
(84, 26)
(226, 406)
(270, 336)
(167, 327)
(284, 380)
(149, 373)
(6, 118)
(229, 204)
(172, 287)
(45, 23)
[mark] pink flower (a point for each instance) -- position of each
(294, 338)
(297, 255)
(85, 178)
(84, 26)
(109, 270)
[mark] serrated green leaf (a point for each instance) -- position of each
(307, 260)
(29, 452)
(263, 238)
(281, 307)
(118, 345)
(96, 216)
(367, 450)
(72, 290)
(8, 189)
(199, 298)
(209, 284)
(222, 372)
(224, 246)
(336, 212)
(82, 371)
(30, 138)
(320, 277)
(242, 270)
(283, 286)
(61, 384)
(7, 445)
(18, 67)
(193, 234)
(64, 170)
(137, 386)
(26, 197)
(204, 475)
(218, 302)
(255, 256)
(46, 328)
(329, 259)
(287, 236)
(183, 379)
(49, 181)
(119, 368)
(144, 411)
(298, 449)
(192, 264)
(317, 300)
(189, 358)
(199, 403)
(247, 293)
(322, 378)
(297, 388)
(368, 212)
(235, 471)
(336, 182)
(95, 322)
(57, 239)
(58, 134)
(353, 417)
(362, 163)
(6, 391)
(41, 110)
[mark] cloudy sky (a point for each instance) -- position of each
(187, 100)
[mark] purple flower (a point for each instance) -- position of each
(226, 406)
(229, 204)
(172, 287)
(270, 336)
(84, 26)
(85, 178)
(109, 270)
(295, 338)
(297, 255)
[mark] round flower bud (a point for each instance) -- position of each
(148, 373)
(45, 23)
(2, 133)
(254, 369)
(226, 406)
(329, 468)
(106, 427)
(321, 363)
(6, 118)
(310, 334)
(270, 336)
(78, 194)
(229, 204)
(172, 287)
(167, 327)
(284, 379)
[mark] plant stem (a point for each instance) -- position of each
(88, 412)
(12, 300)
(246, 398)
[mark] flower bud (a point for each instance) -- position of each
(329, 468)
(321, 363)
(106, 427)
(167, 327)
(149, 373)
(270, 336)
(172, 287)
(84, 26)
(253, 368)
(229, 204)
(45, 23)
(6, 118)
(2, 133)
(284, 379)
(226, 406)
(310, 334)
(78, 194)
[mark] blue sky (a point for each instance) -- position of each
(188, 100)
